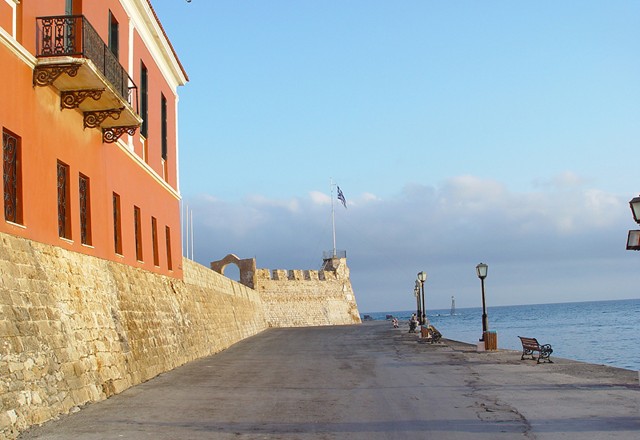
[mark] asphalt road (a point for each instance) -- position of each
(363, 382)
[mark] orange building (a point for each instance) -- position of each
(88, 113)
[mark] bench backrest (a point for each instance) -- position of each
(529, 343)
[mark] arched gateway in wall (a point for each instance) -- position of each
(247, 268)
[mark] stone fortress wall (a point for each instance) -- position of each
(297, 298)
(300, 298)
(76, 329)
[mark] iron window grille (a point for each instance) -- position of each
(64, 208)
(11, 177)
(85, 210)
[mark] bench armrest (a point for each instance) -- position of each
(546, 348)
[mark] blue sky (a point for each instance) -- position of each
(459, 131)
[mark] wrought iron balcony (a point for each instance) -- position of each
(74, 59)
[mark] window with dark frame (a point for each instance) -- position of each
(12, 176)
(164, 126)
(137, 223)
(168, 237)
(117, 224)
(144, 99)
(154, 235)
(64, 203)
(85, 210)
(113, 34)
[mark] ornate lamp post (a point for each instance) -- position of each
(422, 277)
(633, 239)
(635, 208)
(416, 293)
(481, 270)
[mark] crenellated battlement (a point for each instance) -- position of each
(295, 275)
(332, 269)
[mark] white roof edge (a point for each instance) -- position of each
(151, 32)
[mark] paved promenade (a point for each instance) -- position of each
(364, 382)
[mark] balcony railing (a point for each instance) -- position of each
(73, 36)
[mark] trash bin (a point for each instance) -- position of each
(490, 340)
(480, 346)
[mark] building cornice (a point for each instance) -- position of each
(154, 37)
(17, 49)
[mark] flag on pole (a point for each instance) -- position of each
(341, 197)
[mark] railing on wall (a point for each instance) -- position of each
(73, 35)
(326, 255)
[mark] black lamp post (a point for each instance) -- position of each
(481, 270)
(416, 293)
(422, 277)
(635, 208)
(633, 239)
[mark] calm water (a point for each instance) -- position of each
(598, 332)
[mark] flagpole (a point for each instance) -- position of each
(192, 235)
(333, 219)
(185, 221)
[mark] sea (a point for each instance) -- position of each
(598, 332)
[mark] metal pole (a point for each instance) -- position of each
(485, 323)
(333, 219)
(423, 319)
(186, 229)
(191, 225)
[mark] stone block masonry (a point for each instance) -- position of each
(76, 329)
(301, 298)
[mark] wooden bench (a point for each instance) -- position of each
(531, 345)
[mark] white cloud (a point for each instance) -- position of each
(368, 197)
(445, 230)
(259, 201)
(564, 180)
(473, 190)
(320, 198)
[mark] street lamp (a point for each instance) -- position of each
(481, 270)
(416, 293)
(635, 208)
(422, 277)
(633, 239)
